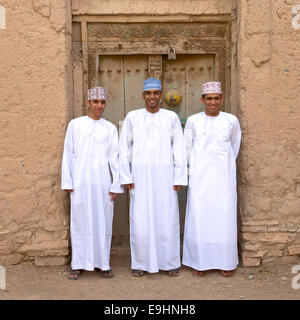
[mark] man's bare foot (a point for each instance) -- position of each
(198, 273)
(225, 273)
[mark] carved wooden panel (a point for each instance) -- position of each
(155, 66)
(204, 31)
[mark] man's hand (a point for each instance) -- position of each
(177, 188)
(69, 190)
(130, 186)
(113, 196)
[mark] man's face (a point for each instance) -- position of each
(96, 108)
(152, 98)
(213, 103)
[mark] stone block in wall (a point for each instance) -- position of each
(294, 250)
(4, 231)
(291, 227)
(284, 228)
(4, 250)
(281, 260)
(260, 223)
(266, 237)
(262, 246)
(54, 228)
(274, 229)
(51, 261)
(61, 235)
(40, 248)
(4, 242)
(250, 262)
(54, 224)
(294, 240)
(56, 253)
(11, 259)
(21, 238)
(266, 253)
(254, 229)
(43, 235)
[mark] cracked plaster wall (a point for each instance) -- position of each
(35, 91)
(269, 88)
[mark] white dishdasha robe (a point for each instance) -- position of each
(90, 167)
(210, 235)
(152, 156)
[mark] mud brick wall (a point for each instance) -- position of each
(269, 173)
(35, 107)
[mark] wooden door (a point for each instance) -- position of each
(123, 78)
(187, 74)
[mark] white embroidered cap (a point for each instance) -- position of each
(211, 87)
(96, 93)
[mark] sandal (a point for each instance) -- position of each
(173, 273)
(74, 275)
(137, 273)
(107, 273)
(226, 274)
(198, 273)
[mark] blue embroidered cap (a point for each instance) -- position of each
(152, 84)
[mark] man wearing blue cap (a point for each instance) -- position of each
(153, 167)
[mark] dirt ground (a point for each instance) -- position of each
(26, 281)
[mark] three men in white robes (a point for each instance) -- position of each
(212, 140)
(90, 173)
(153, 167)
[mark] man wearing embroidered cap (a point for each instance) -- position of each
(90, 173)
(153, 167)
(212, 141)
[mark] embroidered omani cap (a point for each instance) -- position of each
(211, 87)
(96, 93)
